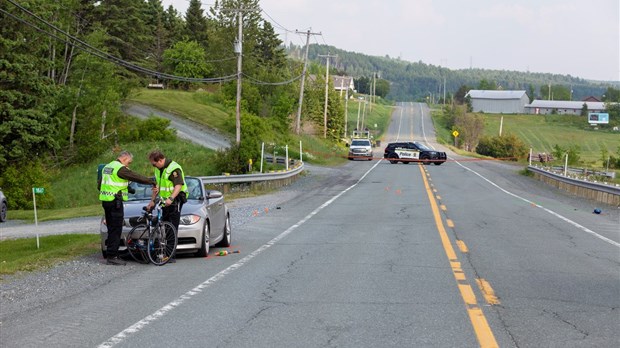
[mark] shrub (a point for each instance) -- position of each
(505, 147)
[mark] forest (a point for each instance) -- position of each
(67, 67)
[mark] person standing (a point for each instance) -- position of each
(171, 187)
(113, 191)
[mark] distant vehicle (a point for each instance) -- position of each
(3, 207)
(413, 152)
(360, 148)
(205, 219)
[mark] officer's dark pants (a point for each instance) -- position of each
(114, 221)
(172, 214)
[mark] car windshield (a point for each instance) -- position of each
(422, 146)
(360, 142)
(144, 191)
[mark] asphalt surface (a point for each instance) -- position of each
(466, 254)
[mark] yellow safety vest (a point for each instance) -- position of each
(111, 183)
(165, 185)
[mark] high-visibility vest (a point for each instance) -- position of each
(165, 185)
(111, 183)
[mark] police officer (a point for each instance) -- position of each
(113, 190)
(171, 187)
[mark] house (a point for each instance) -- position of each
(498, 102)
(591, 99)
(342, 83)
(562, 107)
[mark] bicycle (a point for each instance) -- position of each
(152, 240)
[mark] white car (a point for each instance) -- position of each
(360, 148)
(205, 219)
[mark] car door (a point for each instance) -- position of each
(216, 213)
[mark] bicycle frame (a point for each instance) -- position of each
(153, 240)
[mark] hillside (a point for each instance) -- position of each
(415, 81)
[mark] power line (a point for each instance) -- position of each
(104, 55)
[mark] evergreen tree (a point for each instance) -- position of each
(196, 24)
(26, 93)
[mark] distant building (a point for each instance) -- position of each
(591, 99)
(342, 83)
(562, 107)
(498, 102)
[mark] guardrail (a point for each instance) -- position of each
(600, 192)
(240, 182)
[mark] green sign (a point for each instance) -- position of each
(38, 190)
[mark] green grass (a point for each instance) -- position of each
(196, 106)
(56, 214)
(542, 132)
(22, 255)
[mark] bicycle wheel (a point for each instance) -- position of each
(136, 243)
(162, 243)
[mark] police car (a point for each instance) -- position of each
(413, 152)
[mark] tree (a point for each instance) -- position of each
(459, 96)
(612, 95)
(584, 110)
(26, 95)
(558, 92)
(125, 22)
(186, 58)
(486, 85)
(196, 24)
(470, 127)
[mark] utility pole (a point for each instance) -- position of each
(346, 109)
(444, 91)
(238, 50)
(327, 56)
(303, 79)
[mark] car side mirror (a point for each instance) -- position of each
(212, 194)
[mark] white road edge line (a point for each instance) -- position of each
(138, 326)
(583, 228)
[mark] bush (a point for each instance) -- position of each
(504, 147)
(17, 182)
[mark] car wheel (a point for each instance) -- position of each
(3, 210)
(205, 241)
(438, 163)
(393, 158)
(227, 238)
(425, 159)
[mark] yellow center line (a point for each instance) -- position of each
(476, 316)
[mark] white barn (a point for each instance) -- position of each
(498, 102)
(563, 107)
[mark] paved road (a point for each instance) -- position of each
(464, 254)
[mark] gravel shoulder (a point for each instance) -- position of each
(28, 291)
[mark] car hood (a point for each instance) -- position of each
(134, 208)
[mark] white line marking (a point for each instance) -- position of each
(138, 326)
(583, 228)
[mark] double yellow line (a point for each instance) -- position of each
(476, 316)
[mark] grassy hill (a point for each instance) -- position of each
(543, 132)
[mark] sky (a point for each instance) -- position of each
(569, 37)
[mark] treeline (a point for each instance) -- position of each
(66, 66)
(417, 81)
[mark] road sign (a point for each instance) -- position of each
(39, 190)
(455, 133)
